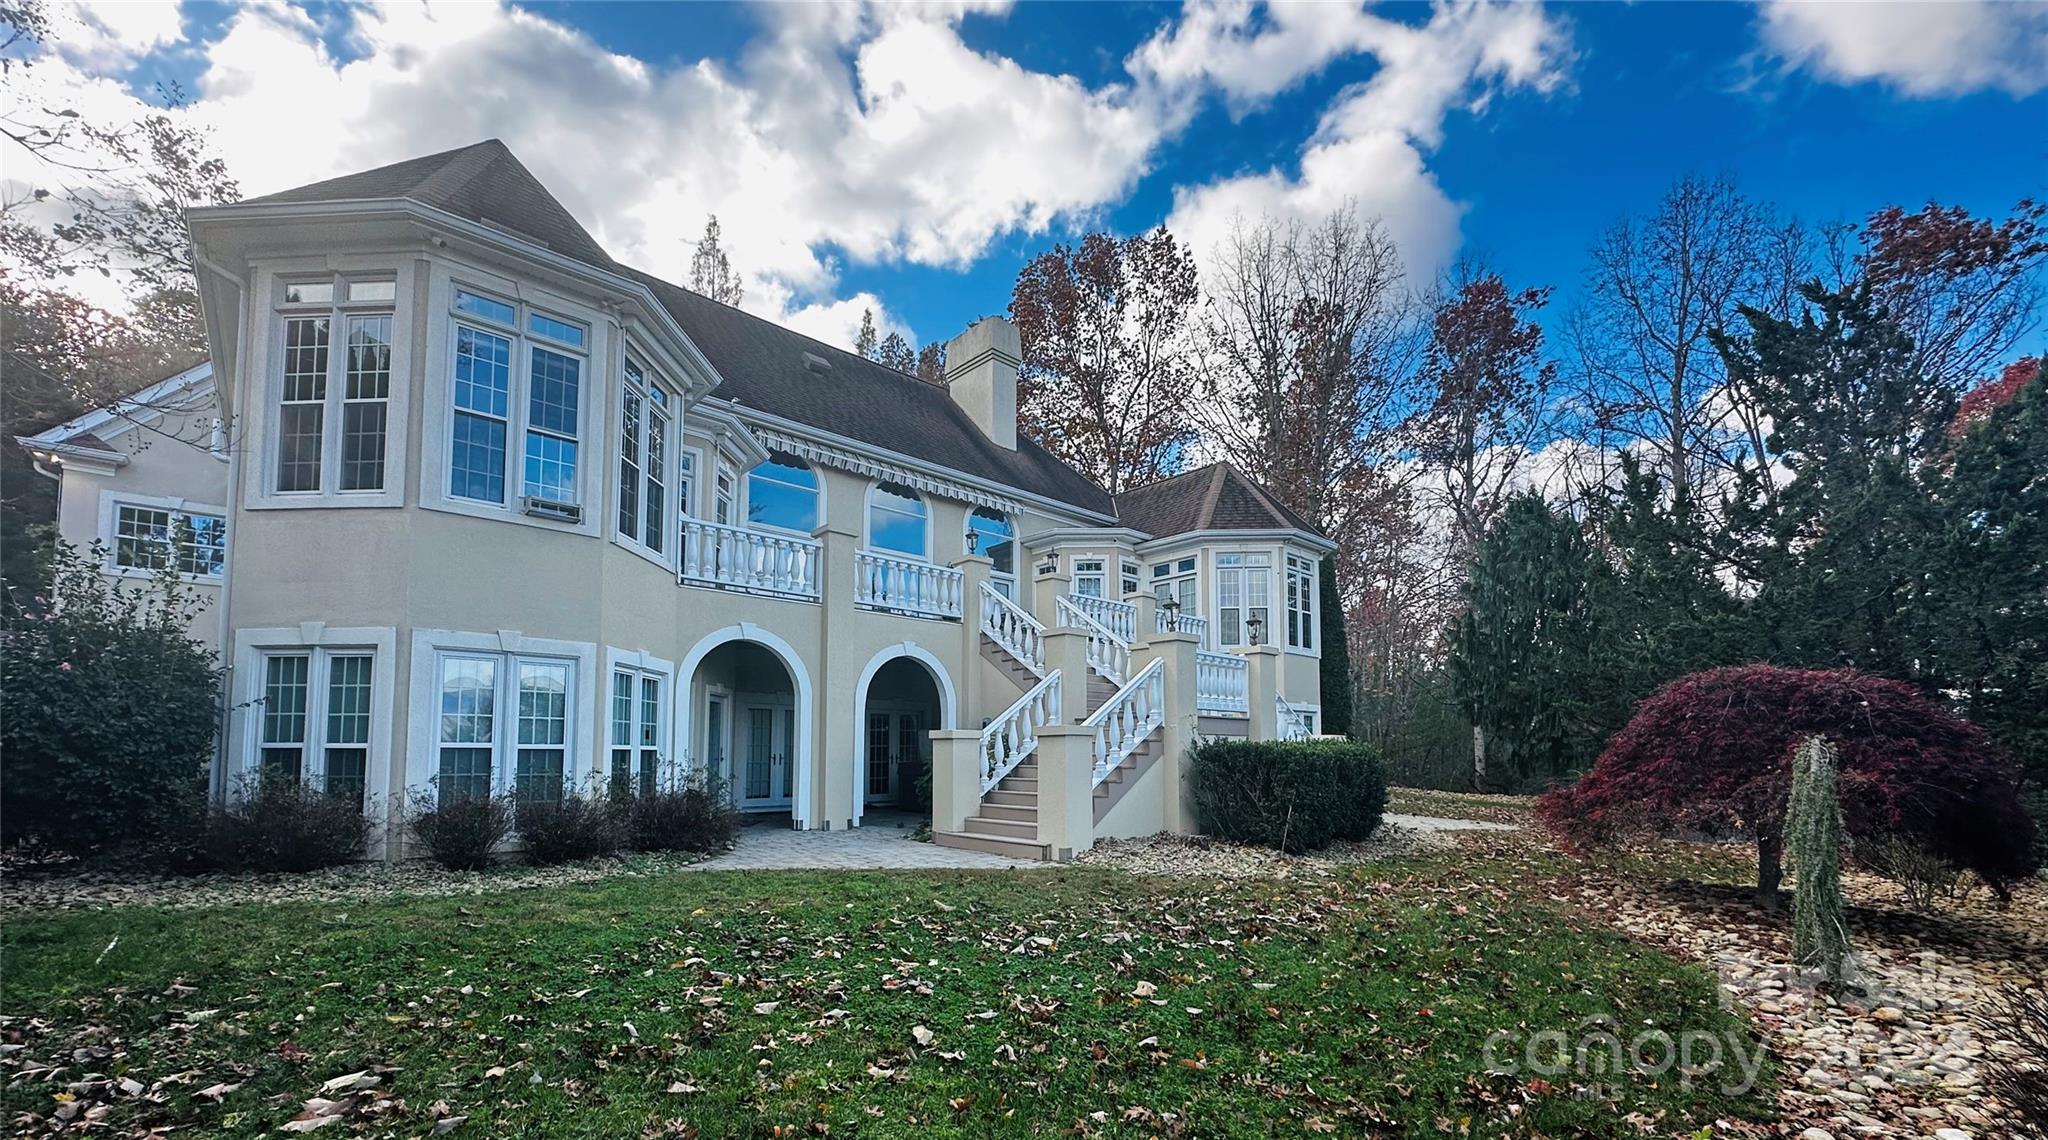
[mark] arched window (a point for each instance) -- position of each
(995, 539)
(783, 492)
(897, 520)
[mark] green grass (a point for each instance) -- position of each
(1359, 1005)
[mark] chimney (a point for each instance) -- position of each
(981, 371)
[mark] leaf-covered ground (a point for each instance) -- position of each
(1073, 1001)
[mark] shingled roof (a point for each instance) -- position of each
(762, 364)
(1216, 497)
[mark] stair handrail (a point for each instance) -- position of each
(1128, 718)
(1292, 723)
(1013, 734)
(1108, 654)
(1120, 618)
(1012, 627)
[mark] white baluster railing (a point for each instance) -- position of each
(736, 557)
(1293, 723)
(1222, 684)
(1107, 654)
(1119, 618)
(1125, 720)
(1008, 625)
(885, 582)
(1184, 622)
(1011, 737)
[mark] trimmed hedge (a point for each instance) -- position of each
(1294, 796)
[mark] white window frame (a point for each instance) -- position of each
(641, 665)
(1301, 573)
(518, 419)
(686, 486)
(320, 643)
(1179, 578)
(338, 311)
(1240, 564)
(1093, 570)
(508, 647)
(111, 503)
(672, 455)
(818, 492)
(868, 524)
(1130, 577)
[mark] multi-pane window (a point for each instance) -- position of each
(783, 492)
(723, 510)
(686, 483)
(1128, 578)
(150, 538)
(645, 410)
(1301, 602)
(477, 752)
(1089, 581)
(1243, 594)
(896, 519)
(1175, 581)
(314, 720)
(333, 409)
(636, 732)
(515, 382)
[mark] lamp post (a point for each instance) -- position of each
(1256, 627)
(1171, 608)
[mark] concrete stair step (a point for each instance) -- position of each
(1019, 813)
(1027, 787)
(994, 845)
(1003, 797)
(1006, 828)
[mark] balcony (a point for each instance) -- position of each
(906, 586)
(737, 558)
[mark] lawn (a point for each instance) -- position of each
(872, 1004)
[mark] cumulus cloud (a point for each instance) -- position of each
(1920, 49)
(1370, 149)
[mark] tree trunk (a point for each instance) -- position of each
(1478, 759)
(1770, 870)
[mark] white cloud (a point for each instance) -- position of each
(1922, 49)
(1371, 145)
(109, 33)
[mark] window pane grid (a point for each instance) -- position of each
(555, 380)
(365, 389)
(284, 716)
(657, 475)
(302, 409)
(629, 460)
(483, 385)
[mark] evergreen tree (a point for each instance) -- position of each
(1336, 663)
(1813, 830)
(865, 342)
(895, 352)
(711, 273)
(1524, 656)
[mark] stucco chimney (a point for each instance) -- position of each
(981, 370)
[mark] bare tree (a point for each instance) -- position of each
(1305, 344)
(711, 272)
(1108, 372)
(1657, 290)
(895, 352)
(1964, 288)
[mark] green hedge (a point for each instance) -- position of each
(1292, 796)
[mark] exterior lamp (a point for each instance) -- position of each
(969, 548)
(1256, 627)
(1171, 608)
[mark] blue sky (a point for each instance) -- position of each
(912, 161)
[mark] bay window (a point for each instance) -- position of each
(1301, 603)
(516, 384)
(332, 419)
(645, 413)
(477, 751)
(314, 723)
(1243, 593)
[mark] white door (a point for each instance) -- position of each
(767, 756)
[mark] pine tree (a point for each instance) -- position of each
(711, 272)
(1336, 664)
(895, 352)
(864, 343)
(1813, 827)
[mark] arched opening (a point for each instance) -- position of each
(897, 521)
(748, 728)
(782, 492)
(995, 538)
(901, 702)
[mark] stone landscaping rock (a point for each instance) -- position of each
(1200, 857)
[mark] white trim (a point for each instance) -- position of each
(1156, 547)
(123, 413)
(250, 647)
(640, 659)
(949, 708)
(686, 673)
(111, 501)
(422, 751)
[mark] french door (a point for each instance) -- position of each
(766, 758)
(896, 740)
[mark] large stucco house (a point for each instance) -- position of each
(483, 508)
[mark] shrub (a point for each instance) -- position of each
(460, 832)
(1294, 796)
(1922, 876)
(275, 825)
(1712, 751)
(575, 826)
(2019, 1014)
(693, 816)
(111, 709)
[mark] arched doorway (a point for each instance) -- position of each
(745, 719)
(904, 694)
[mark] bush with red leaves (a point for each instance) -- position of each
(1712, 752)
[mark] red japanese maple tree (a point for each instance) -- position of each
(1712, 753)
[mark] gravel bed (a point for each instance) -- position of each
(25, 890)
(1199, 857)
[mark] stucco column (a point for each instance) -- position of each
(1045, 590)
(1262, 684)
(1177, 652)
(833, 783)
(1066, 789)
(1067, 651)
(1146, 622)
(956, 777)
(974, 571)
